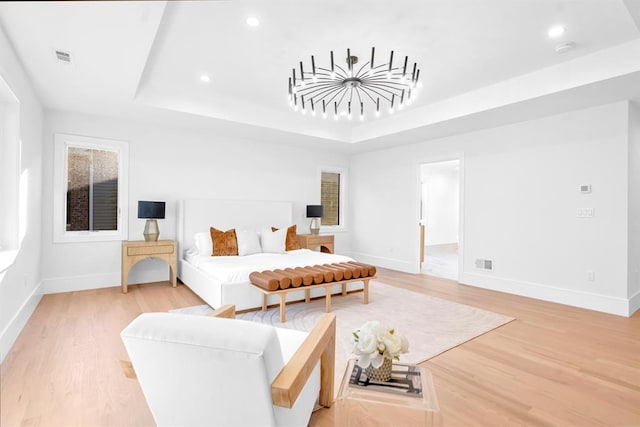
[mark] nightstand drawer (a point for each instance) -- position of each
(311, 241)
(317, 240)
(150, 250)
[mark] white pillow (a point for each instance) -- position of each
(274, 241)
(248, 242)
(203, 243)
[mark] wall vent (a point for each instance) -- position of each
(484, 264)
(63, 56)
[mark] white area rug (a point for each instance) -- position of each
(432, 325)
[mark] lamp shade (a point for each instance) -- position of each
(150, 210)
(314, 211)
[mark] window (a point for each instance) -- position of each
(91, 188)
(332, 191)
(9, 169)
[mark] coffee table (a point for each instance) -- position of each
(396, 403)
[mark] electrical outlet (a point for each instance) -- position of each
(591, 276)
(584, 212)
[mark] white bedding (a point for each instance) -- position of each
(236, 269)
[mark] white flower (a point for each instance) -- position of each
(374, 342)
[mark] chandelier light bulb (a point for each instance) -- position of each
(368, 85)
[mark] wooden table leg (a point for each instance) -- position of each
(283, 307)
(344, 289)
(172, 274)
(327, 291)
(124, 280)
(264, 302)
(307, 295)
(366, 291)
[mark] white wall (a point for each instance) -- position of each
(441, 202)
(634, 206)
(20, 283)
(520, 196)
(170, 163)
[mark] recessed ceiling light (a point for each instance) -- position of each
(556, 31)
(252, 21)
(205, 78)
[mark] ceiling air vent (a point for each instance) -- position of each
(63, 56)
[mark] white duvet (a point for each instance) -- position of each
(236, 269)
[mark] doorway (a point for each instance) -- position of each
(440, 218)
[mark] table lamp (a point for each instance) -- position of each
(151, 211)
(314, 212)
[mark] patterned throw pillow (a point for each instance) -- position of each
(291, 243)
(225, 243)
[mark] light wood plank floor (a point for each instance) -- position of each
(553, 365)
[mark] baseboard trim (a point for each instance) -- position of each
(97, 281)
(634, 303)
(12, 330)
(80, 283)
(588, 300)
(384, 262)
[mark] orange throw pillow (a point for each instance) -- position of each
(224, 242)
(291, 243)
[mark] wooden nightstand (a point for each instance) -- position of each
(134, 251)
(311, 241)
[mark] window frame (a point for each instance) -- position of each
(342, 198)
(10, 167)
(60, 233)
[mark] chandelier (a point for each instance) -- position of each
(356, 90)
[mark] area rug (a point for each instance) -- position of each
(432, 325)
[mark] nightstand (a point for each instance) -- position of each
(134, 251)
(311, 241)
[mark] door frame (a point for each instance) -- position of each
(418, 168)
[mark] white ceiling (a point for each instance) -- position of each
(482, 62)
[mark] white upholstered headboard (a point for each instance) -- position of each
(195, 215)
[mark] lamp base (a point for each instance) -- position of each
(151, 231)
(314, 227)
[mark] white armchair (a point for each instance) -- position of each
(199, 370)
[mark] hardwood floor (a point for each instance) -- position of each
(553, 365)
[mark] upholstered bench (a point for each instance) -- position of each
(282, 281)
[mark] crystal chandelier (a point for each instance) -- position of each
(369, 89)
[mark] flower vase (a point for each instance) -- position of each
(381, 374)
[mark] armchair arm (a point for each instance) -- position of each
(320, 344)
(227, 311)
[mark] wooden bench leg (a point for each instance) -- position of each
(327, 291)
(366, 291)
(264, 302)
(307, 295)
(344, 289)
(283, 308)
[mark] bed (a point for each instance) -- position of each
(225, 280)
